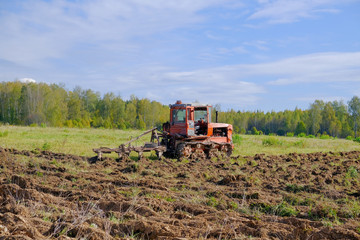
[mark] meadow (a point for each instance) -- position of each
(81, 141)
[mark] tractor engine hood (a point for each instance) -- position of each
(220, 125)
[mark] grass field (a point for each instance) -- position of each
(82, 141)
(46, 195)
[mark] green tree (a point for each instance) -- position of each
(74, 105)
(300, 128)
(354, 110)
(315, 118)
(330, 123)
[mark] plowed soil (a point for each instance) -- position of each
(297, 196)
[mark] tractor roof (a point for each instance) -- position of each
(180, 104)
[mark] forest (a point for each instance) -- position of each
(41, 104)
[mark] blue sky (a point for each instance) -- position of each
(246, 55)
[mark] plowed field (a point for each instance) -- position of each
(296, 196)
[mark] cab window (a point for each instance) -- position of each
(201, 114)
(178, 115)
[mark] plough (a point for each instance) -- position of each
(126, 148)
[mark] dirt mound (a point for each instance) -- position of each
(296, 196)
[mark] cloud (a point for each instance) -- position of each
(166, 50)
(38, 31)
(325, 99)
(287, 11)
(27, 80)
(206, 85)
(242, 85)
(312, 68)
(260, 45)
(318, 67)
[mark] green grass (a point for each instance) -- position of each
(67, 140)
(82, 141)
(251, 145)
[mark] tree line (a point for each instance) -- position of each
(335, 118)
(53, 105)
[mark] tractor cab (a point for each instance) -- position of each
(189, 119)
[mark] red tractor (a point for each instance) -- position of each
(189, 134)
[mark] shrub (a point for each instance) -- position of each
(300, 128)
(69, 123)
(301, 134)
(254, 131)
(325, 136)
(357, 139)
(289, 134)
(349, 138)
(272, 141)
(310, 136)
(237, 139)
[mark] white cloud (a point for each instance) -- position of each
(311, 68)
(132, 46)
(286, 11)
(321, 67)
(243, 84)
(27, 80)
(43, 30)
(259, 44)
(325, 99)
(206, 85)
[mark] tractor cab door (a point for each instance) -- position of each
(178, 121)
(190, 121)
(202, 116)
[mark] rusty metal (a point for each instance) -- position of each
(188, 134)
(126, 148)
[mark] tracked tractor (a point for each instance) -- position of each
(189, 134)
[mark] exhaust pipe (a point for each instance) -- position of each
(216, 118)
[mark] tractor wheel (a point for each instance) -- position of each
(183, 151)
(226, 150)
(198, 154)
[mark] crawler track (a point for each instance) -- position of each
(203, 150)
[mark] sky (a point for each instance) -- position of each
(247, 55)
